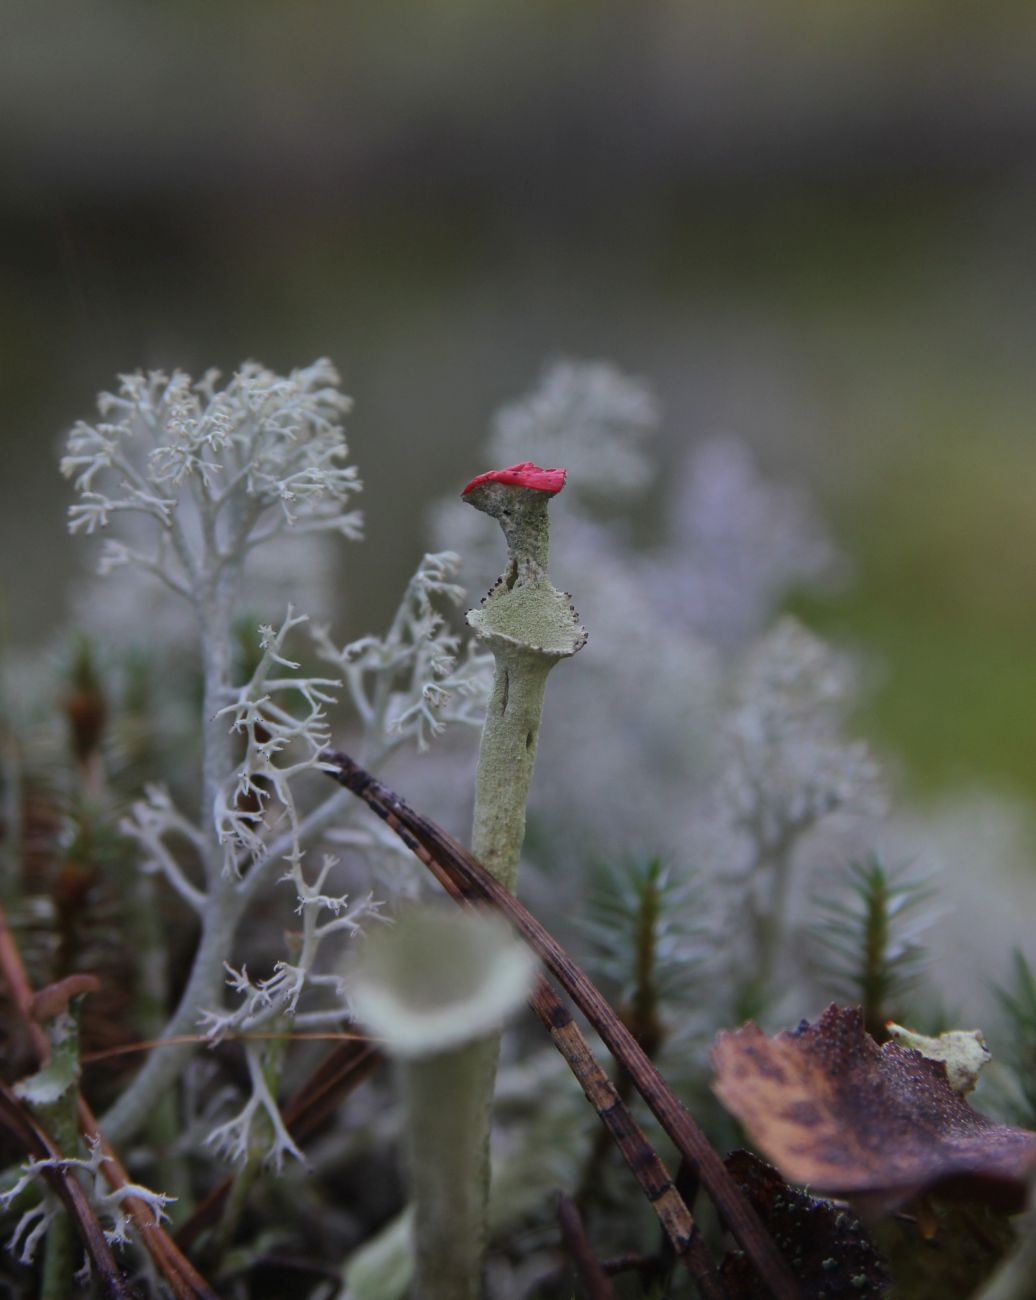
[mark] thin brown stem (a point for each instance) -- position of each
(590, 1181)
(149, 1044)
(676, 1220)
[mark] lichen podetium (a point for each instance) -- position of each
(529, 626)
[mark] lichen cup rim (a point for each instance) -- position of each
(436, 980)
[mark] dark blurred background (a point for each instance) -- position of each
(810, 225)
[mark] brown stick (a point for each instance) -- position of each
(418, 831)
(184, 1279)
(340, 1073)
(671, 1210)
(588, 1266)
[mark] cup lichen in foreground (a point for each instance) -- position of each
(432, 988)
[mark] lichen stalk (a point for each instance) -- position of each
(442, 1092)
(529, 626)
(507, 756)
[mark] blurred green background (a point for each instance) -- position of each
(811, 225)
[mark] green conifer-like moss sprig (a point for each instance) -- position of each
(649, 938)
(870, 937)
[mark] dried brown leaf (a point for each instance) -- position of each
(832, 1109)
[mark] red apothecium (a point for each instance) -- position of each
(526, 475)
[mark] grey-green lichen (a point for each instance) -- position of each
(531, 616)
(529, 626)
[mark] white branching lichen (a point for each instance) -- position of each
(199, 480)
(787, 765)
(191, 454)
(416, 679)
(106, 1200)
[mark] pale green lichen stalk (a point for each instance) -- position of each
(529, 626)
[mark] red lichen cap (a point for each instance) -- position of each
(526, 475)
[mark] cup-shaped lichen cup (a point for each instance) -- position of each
(433, 987)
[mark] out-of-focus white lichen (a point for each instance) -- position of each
(737, 543)
(786, 763)
(588, 417)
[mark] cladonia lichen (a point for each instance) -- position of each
(529, 626)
